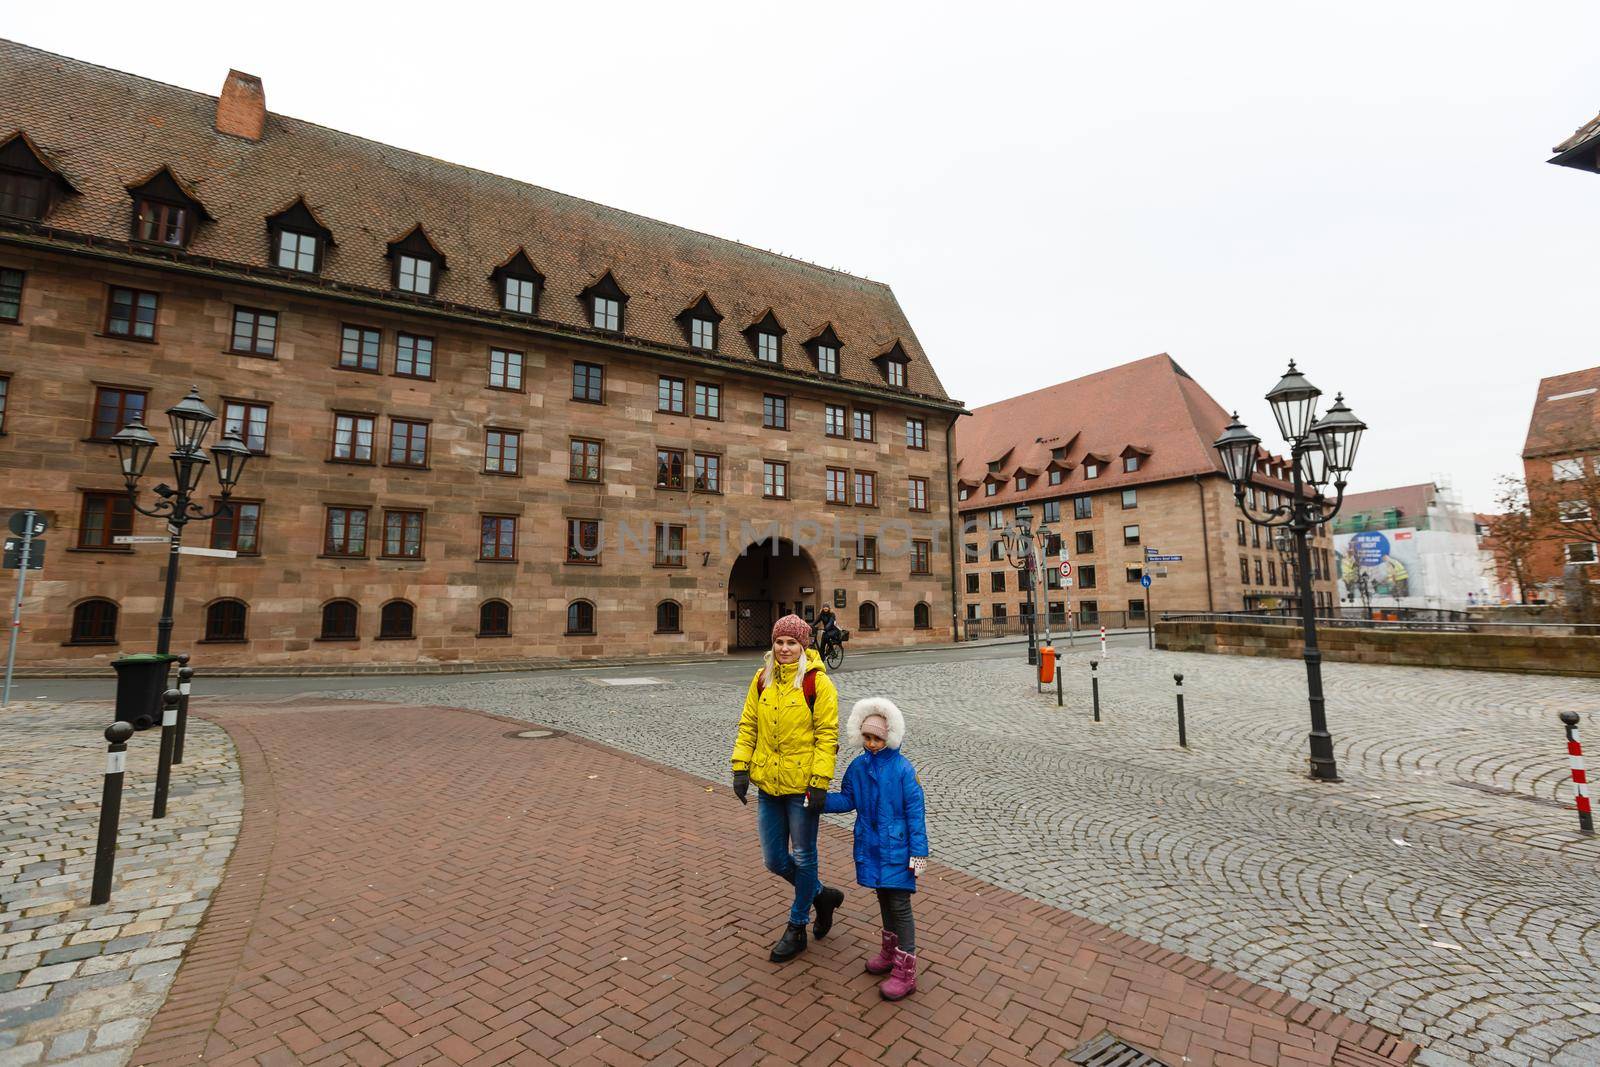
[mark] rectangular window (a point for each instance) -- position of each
(969, 552)
(22, 196)
(669, 395)
(917, 494)
(1133, 572)
(767, 347)
(972, 583)
(505, 369)
(238, 528)
(1052, 578)
(162, 224)
(358, 348)
(414, 275)
(1083, 542)
(402, 534)
(997, 582)
(114, 408)
(583, 460)
(997, 551)
(1130, 464)
(583, 541)
(1238, 525)
(607, 314)
(774, 479)
(588, 382)
(297, 251)
(775, 412)
(991, 489)
(896, 373)
(669, 468)
(255, 333)
(106, 516)
(497, 537)
(827, 359)
(838, 486)
(10, 295)
(352, 438)
(916, 433)
(1255, 536)
(866, 486)
(1130, 534)
(1055, 477)
(861, 425)
(1130, 499)
(1258, 572)
(408, 443)
(707, 401)
(132, 314)
(669, 545)
(1091, 470)
(867, 555)
(997, 518)
(998, 612)
(1052, 511)
(1566, 470)
(1272, 572)
(922, 557)
(1136, 609)
(502, 451)
(1052, 545)
(833, 420)
(521, 295)
(413, 356)
(346, 532)
(1244, 570)
(702, 333)
(1082, 507)
(5, 393)
(1581, 553)
(707, 473)
(1574, 511)
(247, 422)
(1086, 577)
(1022, 483)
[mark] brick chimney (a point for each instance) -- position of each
(242, 107)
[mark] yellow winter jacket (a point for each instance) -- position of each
(785, 745)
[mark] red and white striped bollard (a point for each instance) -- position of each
(1580, 778)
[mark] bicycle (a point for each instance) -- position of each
(831, 649)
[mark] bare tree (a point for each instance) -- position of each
(1518, 534)
(1568, 505)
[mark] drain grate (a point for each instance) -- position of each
(1107, 1051)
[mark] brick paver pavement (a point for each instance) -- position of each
(414, 885)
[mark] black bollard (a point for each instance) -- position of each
(1094, 682)
(169, 728)
(1183, 737)
(185, 676)
(1058, 685)
(105, 849)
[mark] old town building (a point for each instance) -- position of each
(1561, 467)
(1114, 465)
(490, 422)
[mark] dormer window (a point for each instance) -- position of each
(165, 212)
(767, 347)
(22, 196)
(827, 359)
(29, 181)
(518, 283)
(1022, 483)
(417, 263)
(1056, 477)
(699, 321)
(991, 488)
(1091, 470)
(298, 238)
(606, 301)
(1130, 463)
(766, 338)
(892, 361)
(824, 349)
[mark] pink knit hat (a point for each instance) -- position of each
(876, 725)
(792, 626)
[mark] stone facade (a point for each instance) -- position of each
(57, 354)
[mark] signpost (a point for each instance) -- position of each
(24, 557)
(1149, 612)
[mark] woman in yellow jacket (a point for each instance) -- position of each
(788, 740)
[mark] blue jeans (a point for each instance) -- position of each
(787, 824)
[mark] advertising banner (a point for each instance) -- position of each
(1388, 559)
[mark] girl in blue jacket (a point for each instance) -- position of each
(881, 787)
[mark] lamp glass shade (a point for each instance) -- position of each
(230, 455)
(1237, 448)
(1294, 403)
(1314, 464)
(191, 420)
(1339, 432)
(187, 467)
(1024, 517)
(135, 446)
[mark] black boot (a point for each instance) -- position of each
(827, 900)
(790, 945)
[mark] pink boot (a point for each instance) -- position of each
(903, 982)
(883, 962)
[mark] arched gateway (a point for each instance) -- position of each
(770, 579)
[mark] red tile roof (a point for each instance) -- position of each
(105, 129)
(1566, 414)
(1412, 500)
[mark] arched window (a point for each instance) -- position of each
(339, 620)
(396, 620)
(669, 617)
(225, 620)
(494, 619)
(922, 617)
(869, 615)
(94, 622)
(580, 617)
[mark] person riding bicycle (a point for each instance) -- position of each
(827, 626)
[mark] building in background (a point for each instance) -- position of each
(490, 422)
(1561, 464)
(1492, 562)
(1414, 546)
(1115, 464)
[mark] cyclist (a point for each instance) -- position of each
(827, 628)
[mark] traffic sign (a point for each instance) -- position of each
(1164, 559)
(140, 539)
(13, 555)
(1151, 551)
(1066, 568)
(20, 521)
(1144, 580)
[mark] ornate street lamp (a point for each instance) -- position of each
(1025, 551)
(1320, 450)
(191, 420)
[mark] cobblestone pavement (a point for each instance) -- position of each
(418, 885)
(1441, 891)
(79, 984)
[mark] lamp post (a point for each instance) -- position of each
(1320, 450)
(1024, 550)
(191, 420)
(1283, 542)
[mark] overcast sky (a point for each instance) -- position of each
(1051, 189)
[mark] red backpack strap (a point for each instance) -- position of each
(761, 681)
(808, 686)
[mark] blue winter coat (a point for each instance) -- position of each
(882, 789)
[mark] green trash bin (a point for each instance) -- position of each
(141, 681)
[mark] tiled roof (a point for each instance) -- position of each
(106, 129)
(1151, 404)
(1412, 500)
(1587, 132)
(1578, 151)
(1566, 415)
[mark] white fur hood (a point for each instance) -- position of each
(876, 706)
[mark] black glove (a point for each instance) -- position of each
(816, 799)
(741, 785)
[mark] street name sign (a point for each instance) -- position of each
(140, 539)
(224, 553)
(1164, 559)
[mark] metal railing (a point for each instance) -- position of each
(1466, 624)
(1082, 622)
